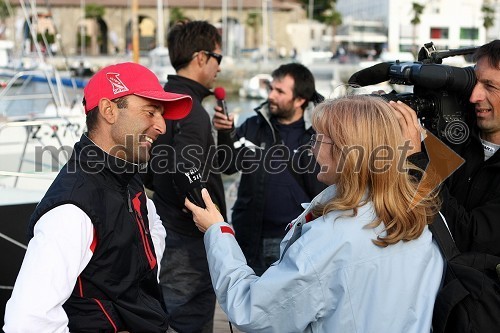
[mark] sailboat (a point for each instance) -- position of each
(40, 120)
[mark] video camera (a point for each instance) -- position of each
(440, 92)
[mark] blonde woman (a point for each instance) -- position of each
(360, 258)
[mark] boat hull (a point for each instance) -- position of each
(14, 220)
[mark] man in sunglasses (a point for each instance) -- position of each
(183, 162)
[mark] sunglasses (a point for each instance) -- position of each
(216, 56)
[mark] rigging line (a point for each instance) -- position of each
(58, 40)
(13, 241)
(30, 21)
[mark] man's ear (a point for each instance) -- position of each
(298, 102)
(108, 110)
(200, 59)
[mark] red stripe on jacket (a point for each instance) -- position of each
(136, 202)
(226, 230)
(106, 314)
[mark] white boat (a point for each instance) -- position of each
(159, 63)
(40, 120)
(256, 87)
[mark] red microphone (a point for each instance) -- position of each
(220, 95)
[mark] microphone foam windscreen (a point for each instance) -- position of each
(220, 93)
(372, 75)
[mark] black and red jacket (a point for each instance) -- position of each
(118, 289)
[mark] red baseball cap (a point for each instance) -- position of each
(130, 78)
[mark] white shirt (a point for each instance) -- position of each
(489, 148)
(55, 257)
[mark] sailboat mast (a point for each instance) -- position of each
(135, 31)
(161, 27)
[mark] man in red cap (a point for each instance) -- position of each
(95, 238)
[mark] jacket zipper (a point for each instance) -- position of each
(143, 231)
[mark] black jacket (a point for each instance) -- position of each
(247, 216)
(118, 289)
(471, 198)
(187, 143)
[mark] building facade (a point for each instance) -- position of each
(449, 24)
(63, 24)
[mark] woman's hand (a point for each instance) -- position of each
(204, 218)
(409, 124)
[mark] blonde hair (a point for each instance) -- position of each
(371, 160)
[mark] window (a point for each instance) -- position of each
(439, 33)
(469, 33)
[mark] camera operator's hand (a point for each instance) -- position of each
(221, 121)
(204, 218)
(409, 124)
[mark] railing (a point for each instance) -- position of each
(55, 91)
(53, 135)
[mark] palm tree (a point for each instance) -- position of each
(417, 10)
(4, 13)
(333, 18)
(96, 12)
(254, 21)
(176, 15)
(489, 15)
(319, 7)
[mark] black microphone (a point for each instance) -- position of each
(220, 95)
(372, 75)
(190, 184)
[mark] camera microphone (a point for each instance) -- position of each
(372, 75)
(190, 183)
(220, 95)
(434, 76)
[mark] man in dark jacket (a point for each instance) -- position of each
(194, 50)
(471, 196)
(278, 171)
(95, 239)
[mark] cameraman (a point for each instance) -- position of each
(471, 196)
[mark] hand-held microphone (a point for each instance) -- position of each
(220, 95)
(372, 75)
(190, 184)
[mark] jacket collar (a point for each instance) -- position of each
(93, 159)
(263, 110)
(186, 85)
(322, 198)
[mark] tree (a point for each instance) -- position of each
(176, 15)
(319, 7)
(4, 13)
(488, 15)
(417, 10)
(254, 21)
(325, 12)
(94, 11)
(333, 18)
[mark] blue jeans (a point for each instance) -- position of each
(186, 285)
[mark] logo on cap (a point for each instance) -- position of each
(116, 83)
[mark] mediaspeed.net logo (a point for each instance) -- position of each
(443, 161)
